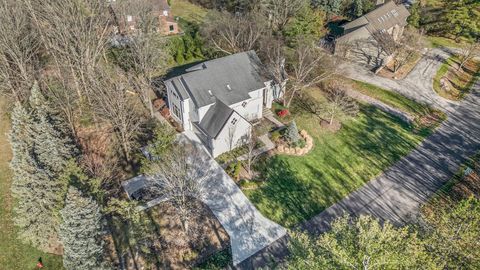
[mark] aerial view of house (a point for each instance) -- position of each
(226, 134)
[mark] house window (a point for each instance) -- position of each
(171, 28)
(176, 111)
(129, 18)
(234, 121)
(244, 104)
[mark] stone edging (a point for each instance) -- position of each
(296, 151)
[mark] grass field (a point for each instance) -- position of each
(439, 42)
(461, 81)
(188, 11)
(13, 254)
(297, 188)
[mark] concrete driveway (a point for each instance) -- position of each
(416, 85)
(248, 229)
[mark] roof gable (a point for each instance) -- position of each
(215, 119)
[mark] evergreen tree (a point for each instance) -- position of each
(33, 215)
(292, 133)
(40, 152)
(462, 18)
(307, 25)
(330, 6)
(81, 232)
(358, 8)
(53, 147)
(414, 18)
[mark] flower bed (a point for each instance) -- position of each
(297, 151)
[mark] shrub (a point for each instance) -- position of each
(233, 169)
(276, 135)
(283, 113)
(292, 133)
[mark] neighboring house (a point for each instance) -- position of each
(128, 14)
(358, 38)
(219, 99)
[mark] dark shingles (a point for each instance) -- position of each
(228, 79)
(215, 119)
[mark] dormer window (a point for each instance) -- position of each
(244, 104)
(234, 121)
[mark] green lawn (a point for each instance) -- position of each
(461, 80)
(188, 11)
(13, 254)
(439, 42)
(297, 188)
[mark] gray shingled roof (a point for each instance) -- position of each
(215, 119)
(381, 18)
(228, 79)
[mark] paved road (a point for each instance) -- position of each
(416, 85)
(397, 194)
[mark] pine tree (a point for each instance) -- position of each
(52, 146)
(31, 184)
(358, 7)
(40, 152)
(292, 133)
(414, 18)
(462, 18)
(81, 232)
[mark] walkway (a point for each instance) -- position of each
(248, 229)
(397, 194)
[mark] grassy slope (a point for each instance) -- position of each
(13, 254)
(297, 188)
(462, 81)
(188, 11)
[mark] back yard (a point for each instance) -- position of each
(297, 188)
(14, 254)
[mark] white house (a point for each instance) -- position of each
(218, 99)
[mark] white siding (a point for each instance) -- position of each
(253, 106)
(239, 130)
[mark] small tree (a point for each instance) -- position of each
(252, 141)
(179, 176)
(292, 134)
(81, 232)
(414, 18)
(339, 103)
(467, 52)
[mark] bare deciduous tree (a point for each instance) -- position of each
(339, 103)
(279, 12)
(467, 52)
(308, 67)
(180, 175)
(231, 34)
(115, 104)
(19, 46)
(74, 34)
(272, 53)
(252, 141)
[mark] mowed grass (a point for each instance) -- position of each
(188, 11)
(14, 254)
(440, 42)
(461, 80)
(297, 188)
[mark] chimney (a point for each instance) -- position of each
(380, 2)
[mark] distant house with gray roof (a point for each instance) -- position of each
(386, 18)
(218, 99)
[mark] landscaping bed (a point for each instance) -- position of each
(292, 189)
(403, 71)
(459, 81)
